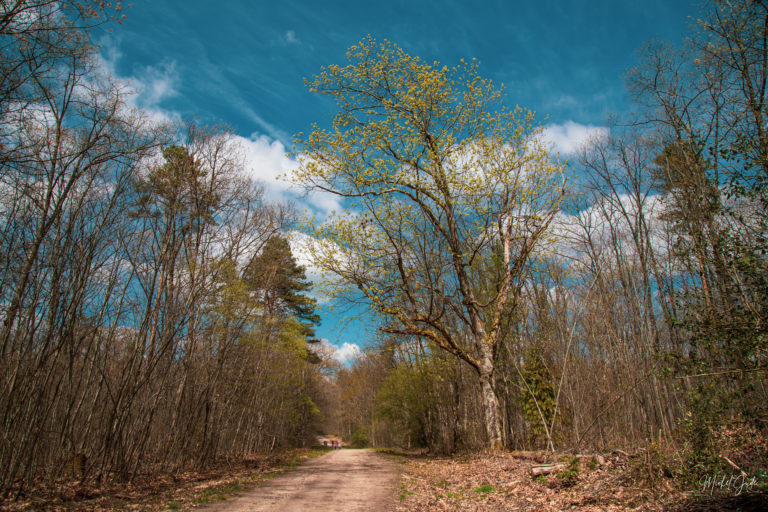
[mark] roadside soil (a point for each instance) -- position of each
(342, 480)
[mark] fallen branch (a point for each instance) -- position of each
(545, 470)
(723, 372)
(733, 465)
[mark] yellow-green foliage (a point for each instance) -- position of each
(435, 171)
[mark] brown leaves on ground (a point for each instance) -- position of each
(180, 491)
(502, 482)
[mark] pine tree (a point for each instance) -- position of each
(281, 284)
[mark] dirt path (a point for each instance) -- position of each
(343, 480)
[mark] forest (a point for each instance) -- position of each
(156, 320)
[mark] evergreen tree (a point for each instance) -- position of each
(281, 283)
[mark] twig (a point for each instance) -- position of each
(734, 466)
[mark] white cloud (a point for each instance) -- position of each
(347, 353)
(569, 137)
(266, 160)
(286, 38)
(301, 247)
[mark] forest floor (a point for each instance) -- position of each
(503, 482)
(181, 491)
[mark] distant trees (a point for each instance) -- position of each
(404, 395)
(442, 180)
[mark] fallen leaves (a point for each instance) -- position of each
(496, 482)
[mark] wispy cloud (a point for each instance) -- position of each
(265, 126)
(155, 84)
(285, 38)
(148, 86)
(265, 154)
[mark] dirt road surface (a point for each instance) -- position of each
(343, 480)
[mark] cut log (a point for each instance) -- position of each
(533, 456)
(547, 469)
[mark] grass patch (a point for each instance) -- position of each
(312, 453)
(219, 492)
(318, 451)
(397, 456)
(485, 489)
(174, 506)
(262, 477)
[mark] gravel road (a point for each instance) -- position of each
(343, 480)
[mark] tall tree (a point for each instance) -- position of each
(281, 285)
(437, 175)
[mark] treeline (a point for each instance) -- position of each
(641, 319)
(153, 316)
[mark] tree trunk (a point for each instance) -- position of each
(491, 407)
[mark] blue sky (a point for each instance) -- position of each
(242, 63)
